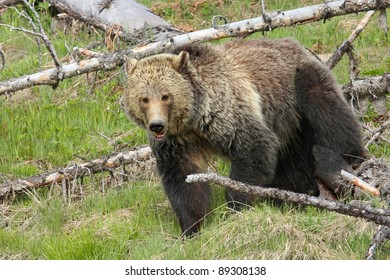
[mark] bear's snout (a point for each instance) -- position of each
(156, 126)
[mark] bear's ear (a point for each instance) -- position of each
(130, 65)
(180, 60)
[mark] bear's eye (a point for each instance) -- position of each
(145, 100)
(165, 97)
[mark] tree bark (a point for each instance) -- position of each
(240, 28)
(108, 20)
(377, 215)
(9, 3)
(380, 237)
(368, 87)
(128, 14)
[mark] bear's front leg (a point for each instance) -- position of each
(189, 201)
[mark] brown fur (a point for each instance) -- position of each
(263, 104)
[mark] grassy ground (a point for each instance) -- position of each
(42, 128)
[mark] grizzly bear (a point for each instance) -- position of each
(263, 104)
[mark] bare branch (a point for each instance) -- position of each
(346, 46)
(376, 133)
(265, 16)
(377, 215)
(2, 59)
(74, 172)
(22, 30)
(46, 40)
(380, 237)
(365, 187)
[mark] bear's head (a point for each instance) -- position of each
(157, 95)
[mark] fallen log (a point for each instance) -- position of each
(240, 28)
(368, 87)
(128, 14)
(104, 14)
(371, 90)
(74, 171)
(113, 17)
(377, 215)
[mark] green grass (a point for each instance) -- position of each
(136, 223)
(54, 130)
(42, 128)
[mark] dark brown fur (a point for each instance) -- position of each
(263, 104)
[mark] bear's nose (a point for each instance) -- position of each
(156, 126)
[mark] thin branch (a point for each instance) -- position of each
(365, 187)
(46, 40)
(265, 16)
(377, 215)
(346, 46)
(2, 59)
(373, 139)
(22, 30)
(376, 133)
(39, 32)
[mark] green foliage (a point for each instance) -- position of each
(42, 128)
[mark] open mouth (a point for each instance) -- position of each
(159, 136)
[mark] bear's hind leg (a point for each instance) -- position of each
(254, 157)
(295, 169)
(332, 120)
